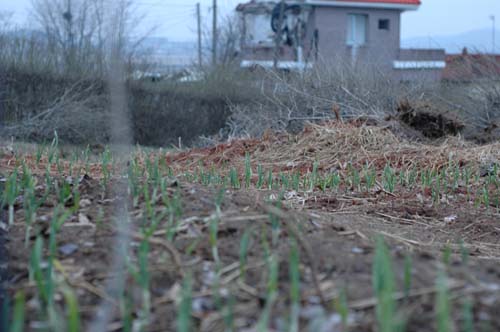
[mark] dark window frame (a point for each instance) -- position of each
(384, 24)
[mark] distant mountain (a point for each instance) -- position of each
(154, 45)
(158, 50)
(169, 54)
(27, 33)
(475, 40)
(161, 45)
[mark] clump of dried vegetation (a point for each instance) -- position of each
(465, 106)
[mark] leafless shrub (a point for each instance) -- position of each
(229, 37)
(364, 90)
(78, 115)
(37, 104)
(329, 90)
(472, 89)
(228, 43)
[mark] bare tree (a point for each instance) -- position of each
(76, 31)
(228, 40)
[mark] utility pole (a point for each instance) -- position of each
(277, 38)
(198, 16)
(214, 33)
(70, 42)
(493, 34)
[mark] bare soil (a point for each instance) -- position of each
(336, 232)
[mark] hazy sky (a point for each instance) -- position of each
(175, 19)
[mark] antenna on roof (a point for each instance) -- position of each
(286, 20)
(493, 37)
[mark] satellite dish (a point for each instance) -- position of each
(287, 10)
(288, 31)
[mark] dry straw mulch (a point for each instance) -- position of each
(333, 145)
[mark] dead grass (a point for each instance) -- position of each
(333, 145)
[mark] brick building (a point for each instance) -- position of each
(322, 31)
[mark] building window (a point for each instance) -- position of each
(258, 29)
(383, 24)
(356, 29)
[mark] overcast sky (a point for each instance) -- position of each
(176, 20)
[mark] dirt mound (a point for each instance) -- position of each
(335, 145)
(326, 143)
(427, 120)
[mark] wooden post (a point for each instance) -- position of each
(214, 33)
(493, 33)
(198, 16)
